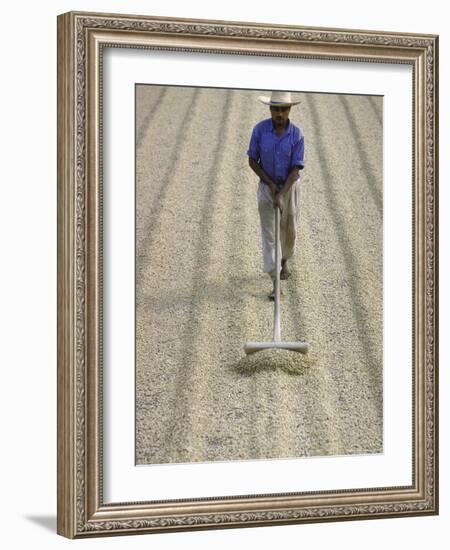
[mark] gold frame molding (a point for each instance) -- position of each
(81, 37)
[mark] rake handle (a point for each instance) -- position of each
(276, 311)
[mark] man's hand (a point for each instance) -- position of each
(278, 200)
(273, 190)
(277, 195)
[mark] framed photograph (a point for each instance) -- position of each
(247, 274)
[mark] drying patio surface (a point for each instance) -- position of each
(201, 293)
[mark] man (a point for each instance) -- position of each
(276, 154)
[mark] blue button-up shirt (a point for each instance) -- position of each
(277, 154)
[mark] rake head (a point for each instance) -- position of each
(252, 347)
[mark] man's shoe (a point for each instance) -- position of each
(271, 296)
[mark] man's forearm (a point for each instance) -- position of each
(256, 167)
(292, 177)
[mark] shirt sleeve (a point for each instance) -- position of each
(253, 148)
(298, 152)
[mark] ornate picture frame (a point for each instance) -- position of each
(82, 511)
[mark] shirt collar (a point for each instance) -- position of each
(288, 126)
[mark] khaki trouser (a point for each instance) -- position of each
(288, 224)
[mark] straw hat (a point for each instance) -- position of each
(278, 98)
